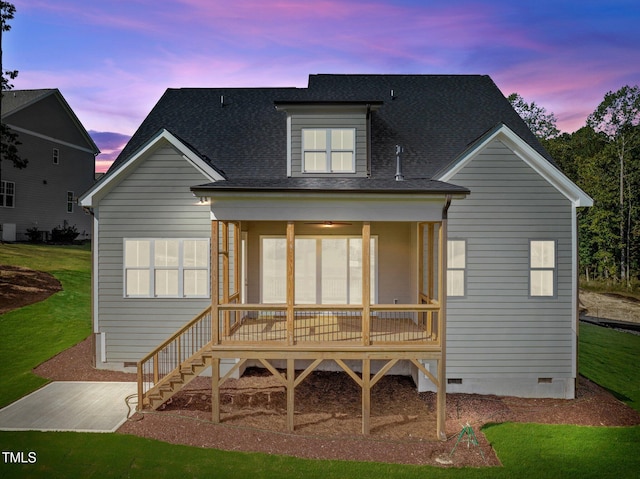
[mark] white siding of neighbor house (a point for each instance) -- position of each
(497, 332)
(154, 201)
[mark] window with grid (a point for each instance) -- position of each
(7, 194)
(456, 267)
(328, 150)
(166, 268)
(70, 201)
(542, 268)
(56, 156)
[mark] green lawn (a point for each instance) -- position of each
(35, 333)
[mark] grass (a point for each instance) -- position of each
(611, 359)
(35, 333)
(39, 331)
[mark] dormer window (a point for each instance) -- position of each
(328, 138)
(328, 150)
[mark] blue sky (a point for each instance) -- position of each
(112, 60)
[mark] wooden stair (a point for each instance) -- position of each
(178, 379)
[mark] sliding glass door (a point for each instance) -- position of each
(328, 269)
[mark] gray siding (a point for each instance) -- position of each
(41, 188)
(154, 201)
(329, 120)
(497, 330)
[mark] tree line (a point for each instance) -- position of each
(602, 158)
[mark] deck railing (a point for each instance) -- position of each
(169, 355)
(387, 324)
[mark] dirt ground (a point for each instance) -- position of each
(327, 408)
(21, 286)
(610, 306)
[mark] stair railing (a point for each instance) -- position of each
(167, 358)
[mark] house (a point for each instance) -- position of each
(407, 224)
(61, 164)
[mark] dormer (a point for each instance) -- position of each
(328, 138)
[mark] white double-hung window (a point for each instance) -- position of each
(328, 150)
(542, 268)
(456, 267)
(166, 268)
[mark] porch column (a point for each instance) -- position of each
(225, 273)
(441, 397)
(215, 263)
(291, 275)
(366, 283)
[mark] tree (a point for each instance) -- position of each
(617, 118)
(541, 123)
(8, 138)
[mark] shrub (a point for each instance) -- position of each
(34, 235)
(64, 234)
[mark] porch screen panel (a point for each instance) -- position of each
(335, 285)
(274, 270)
(306, 275)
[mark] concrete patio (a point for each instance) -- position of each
(71, 406)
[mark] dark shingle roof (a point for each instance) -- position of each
(435, 118)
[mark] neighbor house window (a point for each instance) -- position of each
(328, 150)
(166, 268)
(56, 156)
(69, 201)
(456, 267)
(7, 194)
(542, 268)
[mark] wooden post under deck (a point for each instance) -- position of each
(215, 330)
(215, 263)
(366, 396)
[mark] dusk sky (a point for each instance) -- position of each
(112, 60)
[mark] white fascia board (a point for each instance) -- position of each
(531, 157)
(102, 187)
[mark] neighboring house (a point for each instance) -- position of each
(361, 196)
(61, 157)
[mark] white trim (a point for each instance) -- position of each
(531, 157)
(50, 138)
(102, 187)
(95, 252)
(574, 292)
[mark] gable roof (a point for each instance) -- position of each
(14, 101)
(526, 153)
(108, 181)
(435, 118)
